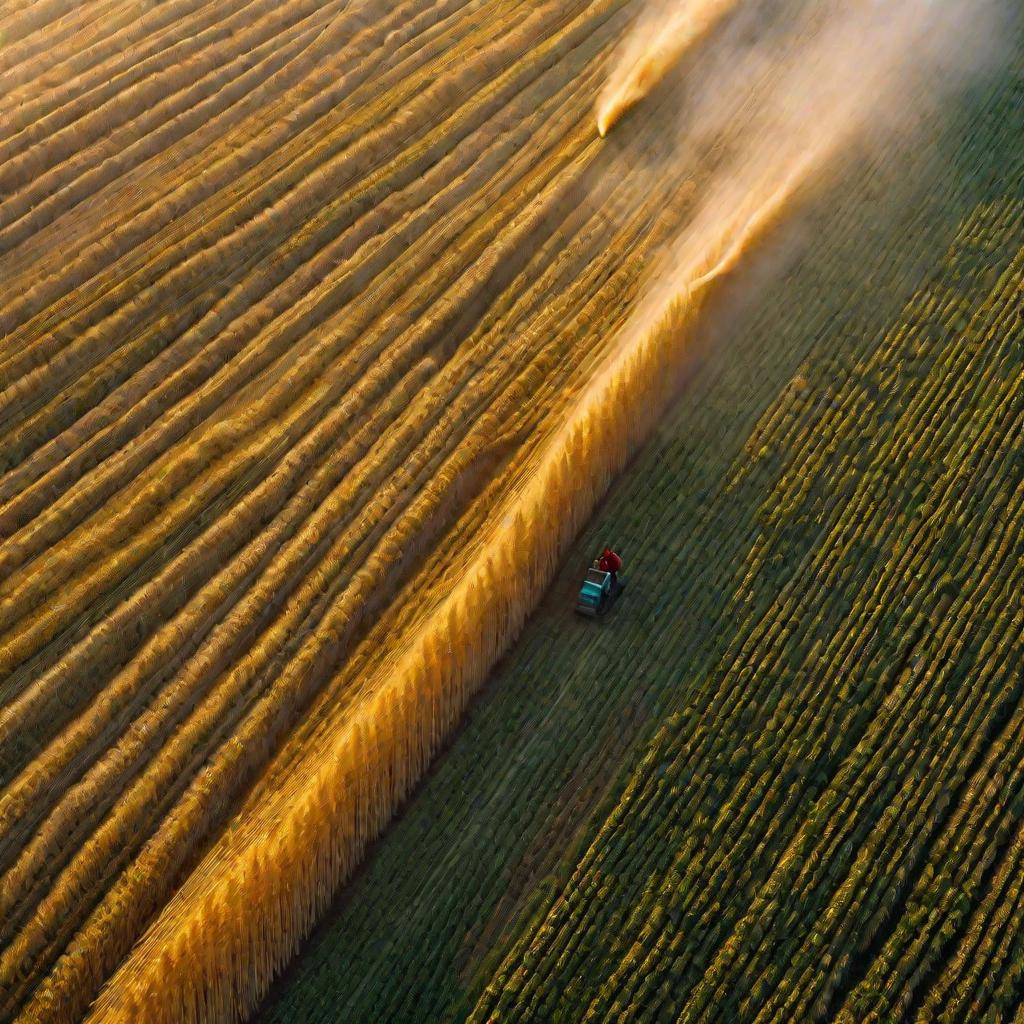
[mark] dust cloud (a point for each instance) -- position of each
(791, 109)
(665, 33)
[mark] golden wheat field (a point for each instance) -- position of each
(324, 327)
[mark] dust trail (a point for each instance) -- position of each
(665, 33)
(866, 74)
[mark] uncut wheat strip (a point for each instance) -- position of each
(560, 487)
(89, 79)
(203, 450)
(513, 431)
(22, 725)
(21, 17)
(406, 172)
(555, 313)
(351, 671)
(510, 431)
(40, 425)
(424, 155)
(249, 588)
(152, 115)
(370, 651)
(521, 388)
(83, 84)
(448, 392)
(27, 499)
(146, 733)
(306, 174)
(513, 435)
(135, 194)
(275, 263)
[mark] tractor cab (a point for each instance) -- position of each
(598, 592)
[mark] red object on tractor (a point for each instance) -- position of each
(609, 561)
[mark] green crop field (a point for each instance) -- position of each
(783, 781)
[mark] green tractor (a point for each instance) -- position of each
(601, 586)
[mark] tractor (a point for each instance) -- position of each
(601, 586)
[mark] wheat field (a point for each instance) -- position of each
(324, 327)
